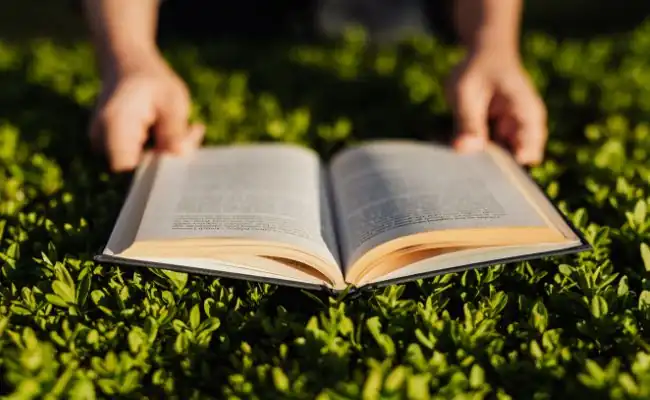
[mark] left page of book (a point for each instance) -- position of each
(260, 206)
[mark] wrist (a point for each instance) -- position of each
(122, 60)
(498, 50)
(499, 44)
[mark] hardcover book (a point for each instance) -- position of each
(377, 213)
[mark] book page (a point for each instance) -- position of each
(268, 192)
(385, 190)
(471, 256)
(126, 226)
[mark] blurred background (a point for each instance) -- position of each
(201, 19)
(257, 69)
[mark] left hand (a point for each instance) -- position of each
(491, 86)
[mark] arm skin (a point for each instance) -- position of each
(123, 31)
(489, 25)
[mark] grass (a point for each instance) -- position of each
(554, 328)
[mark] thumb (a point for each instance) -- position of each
(123, 139)
(172, 126)
(471, 118)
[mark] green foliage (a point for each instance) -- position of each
(560, 327)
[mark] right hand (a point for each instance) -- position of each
(145, 95)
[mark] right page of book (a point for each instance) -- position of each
(389, 189)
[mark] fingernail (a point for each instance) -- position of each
(469, 143)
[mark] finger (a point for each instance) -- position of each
(172, 125)
(529, 139)
(471, 118)
(530, 149)
(123, 139)
(193, 139)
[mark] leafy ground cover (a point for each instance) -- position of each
(559, 327)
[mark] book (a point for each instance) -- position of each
(377, 213)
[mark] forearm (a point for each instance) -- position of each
(489, 25)
(123, 31)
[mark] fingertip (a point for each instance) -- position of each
(124, 162)
(528, 136)
(170, 138)
(528, 148)
(197, 131)
(529, 157)
(123, 156)
(469, 143)
(194, 138)
(122, 168)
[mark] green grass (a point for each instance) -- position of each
(569, 326)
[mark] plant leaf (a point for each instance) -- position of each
(56, 300)
(645, 256)
(598, 306)
(195, 317)
(65, 292)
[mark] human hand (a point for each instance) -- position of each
(138, 97)
(491, 86)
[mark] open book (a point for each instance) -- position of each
(377, 213)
